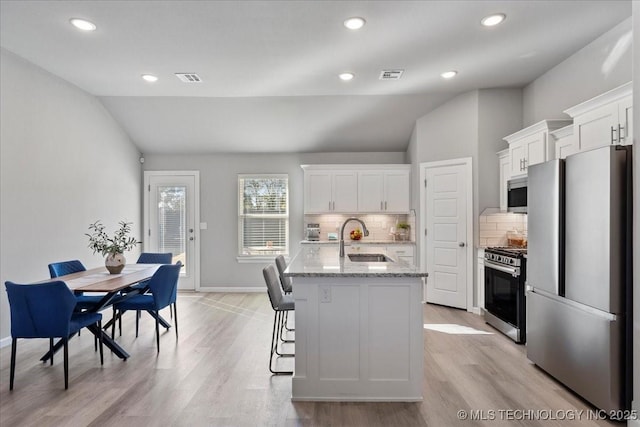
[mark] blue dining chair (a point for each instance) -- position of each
(57, 269)
(163, 289)
(149, 258)
(46, 310)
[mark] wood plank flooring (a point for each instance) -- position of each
(216, 374)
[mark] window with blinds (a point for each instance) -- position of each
(263, 215)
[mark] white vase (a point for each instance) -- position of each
(115, 263)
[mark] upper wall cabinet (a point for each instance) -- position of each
(532, 145)
(604, 120)
(565, 143)
(384, 191)
(356, 189)
(334, 191)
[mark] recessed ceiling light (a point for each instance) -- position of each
(354, 23)
(449, 74)
(83, 24)
(492, 20)
(149, 78)
(346, 76)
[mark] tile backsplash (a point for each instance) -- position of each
(378, 225)
(495, 224)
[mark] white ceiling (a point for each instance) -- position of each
(269, 68)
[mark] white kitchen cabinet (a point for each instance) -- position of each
(531, 146)
(505, 174)
(357, 189)
(330, 191)
(604, 120)
(565, 143)
(384, 191)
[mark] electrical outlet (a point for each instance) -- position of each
(325, 293)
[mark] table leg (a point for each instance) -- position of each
(57, 346)
(107, 341)
(163, 322)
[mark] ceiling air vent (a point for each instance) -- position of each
(189, 77)
(391, 74)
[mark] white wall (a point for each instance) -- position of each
(64, 164)
(470, 125)
(600, 66)
(219, 201)
(636, 207)
(499, 115)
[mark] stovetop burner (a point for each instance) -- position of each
(507, 250)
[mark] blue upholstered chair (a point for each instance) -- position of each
(281, 304)
(162, 287)
(57, 269)
(149, 258)
(152, 258)
(46, 310)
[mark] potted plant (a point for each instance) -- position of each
(403, 230)
(112, 247)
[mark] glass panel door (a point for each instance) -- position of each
(170, 221)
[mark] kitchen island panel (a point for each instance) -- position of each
(358, 339)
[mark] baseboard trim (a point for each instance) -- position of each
(233, 289)
(5, 342)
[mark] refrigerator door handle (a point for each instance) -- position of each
(514, 271)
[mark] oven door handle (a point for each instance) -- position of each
(514, 271)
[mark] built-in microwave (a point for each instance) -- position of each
(517, 195)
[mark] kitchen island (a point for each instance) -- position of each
(359, 327)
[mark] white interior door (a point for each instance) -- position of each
(447, 200)
(171, 223)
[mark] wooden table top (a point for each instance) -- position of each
(100, 280)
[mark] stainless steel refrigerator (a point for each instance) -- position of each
(579, 271)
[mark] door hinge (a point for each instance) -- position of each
(149, 232)
(425, 231)
(425, 183)
(149, 188)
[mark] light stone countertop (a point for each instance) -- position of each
(357, 242)
(324, 261)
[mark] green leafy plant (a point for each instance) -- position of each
(99, 240)
(403, 225)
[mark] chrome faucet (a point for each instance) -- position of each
(364, 231)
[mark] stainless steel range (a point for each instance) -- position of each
(504, 290)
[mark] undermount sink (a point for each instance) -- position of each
(369, 258)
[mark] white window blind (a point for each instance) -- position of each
(263, 215)
(172, 221)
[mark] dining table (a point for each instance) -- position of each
(115, 287)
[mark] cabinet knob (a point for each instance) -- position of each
(461, 244)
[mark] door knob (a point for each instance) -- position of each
(461, 244)
(190, 238)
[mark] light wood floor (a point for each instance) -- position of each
(216, 375)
